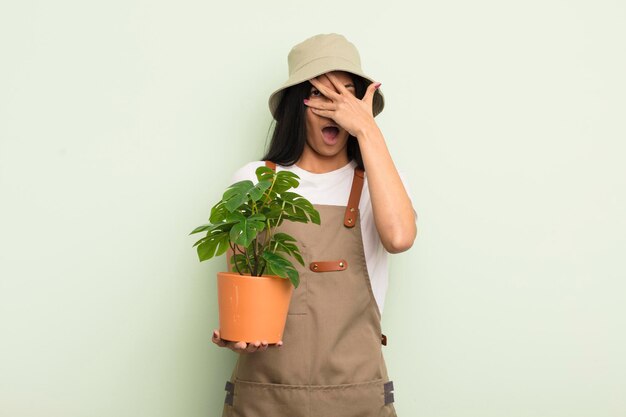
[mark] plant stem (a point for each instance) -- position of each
(269, 192)
(278, 222)
(255, 256)
(245, 253)
(232, 246)
(268, 241)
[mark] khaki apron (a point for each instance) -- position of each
(331, 363)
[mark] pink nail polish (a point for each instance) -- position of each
(306, 100)
(377, 86)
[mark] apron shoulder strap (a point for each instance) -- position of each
(271, 165)
(352, 210)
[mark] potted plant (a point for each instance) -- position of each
(254, 298)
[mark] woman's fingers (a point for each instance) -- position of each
(242, 347)
(335, 81)
(252, 347)
(323, 108)
(217, 340)
(324, 113)
(237, 346)
(369, 93)
(341, 89)
(263, 346)
(320, 104)
(326, 92)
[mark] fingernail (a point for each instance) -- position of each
(377, 86)
(279, 344)
(215, 334)
(306, 100)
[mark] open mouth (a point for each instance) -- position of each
(330, 134)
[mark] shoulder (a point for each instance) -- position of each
(247, 172)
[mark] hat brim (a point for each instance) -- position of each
(318, 67)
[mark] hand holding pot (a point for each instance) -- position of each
(241, 347)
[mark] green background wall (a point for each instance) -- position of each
(122, 121)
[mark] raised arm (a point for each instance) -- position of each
(393, 212)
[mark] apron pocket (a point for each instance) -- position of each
(253, 399)
(369, 399)
(352, 400)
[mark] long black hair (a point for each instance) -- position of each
(289, 136)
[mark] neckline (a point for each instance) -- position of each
(303, 173)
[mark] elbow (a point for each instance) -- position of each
(400, 242)
(398, 247)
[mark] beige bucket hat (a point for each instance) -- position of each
(321, 54)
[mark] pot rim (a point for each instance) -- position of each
(248, 276)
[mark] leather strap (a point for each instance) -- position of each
(230, 393)
(389, 392)
(271, 165)
(329, 266)
(388, 386)
(352, 210)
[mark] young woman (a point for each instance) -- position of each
(330, 362)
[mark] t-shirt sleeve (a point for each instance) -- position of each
(246, 172)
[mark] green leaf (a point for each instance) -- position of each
(202, 228)
(219, 212)
(272, 212)
(214, 244)
(294, 277)
(285, 243)
(214, 229)
(245, 229)
(298, 202)
(237, 194)
(281, 267)
(284, 181)
(264, 173)
(295, 214)
(258, 190)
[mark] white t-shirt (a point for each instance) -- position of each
(333, 188)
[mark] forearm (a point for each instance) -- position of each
(393, 212)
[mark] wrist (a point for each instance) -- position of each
(367, 131)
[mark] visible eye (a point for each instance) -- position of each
(315, 93)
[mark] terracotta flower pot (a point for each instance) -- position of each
(252, 308)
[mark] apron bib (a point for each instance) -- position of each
(331, 362)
